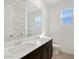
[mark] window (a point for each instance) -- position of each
(38, 21)
(67, 16)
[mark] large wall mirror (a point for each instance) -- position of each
(22, 19)
(33, 20)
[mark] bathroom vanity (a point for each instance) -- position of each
(31, 48)
(24, 23)
(43, 52)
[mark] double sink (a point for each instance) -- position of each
(20, 46)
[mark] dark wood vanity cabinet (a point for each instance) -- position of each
(36, 54)
(47, 50)
(43, 52)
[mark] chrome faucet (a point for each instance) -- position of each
(18, 38)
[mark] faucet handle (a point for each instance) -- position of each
(11, 35)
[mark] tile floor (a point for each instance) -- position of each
(63, 55)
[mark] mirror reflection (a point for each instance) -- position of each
(34, 20)
(22, 19)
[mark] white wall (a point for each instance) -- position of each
(62, 34)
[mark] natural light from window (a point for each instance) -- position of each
(67, 15)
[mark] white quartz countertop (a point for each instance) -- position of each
(27, 47)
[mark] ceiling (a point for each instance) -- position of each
(52, 2)
(30, 7)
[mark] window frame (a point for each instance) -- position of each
(62, 17)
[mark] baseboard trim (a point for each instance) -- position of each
(67, 52)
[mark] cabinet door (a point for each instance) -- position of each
(37, 54)
(47, 50)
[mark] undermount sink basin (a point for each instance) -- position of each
(19, 48)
